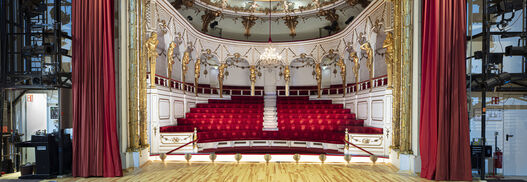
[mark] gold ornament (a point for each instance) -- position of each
(184, 68)
(342, 66)
(221, 75)
(170, 60)
(197, 67)
(322, 158)
(388, 45)
(369, 61)
(267, 158)
(296, 157)
(238, 157)
(318, 71)
(356, 69)
(151, 52)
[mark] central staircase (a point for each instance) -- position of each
(270, 119)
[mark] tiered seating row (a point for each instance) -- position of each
(316, 116)
(286, 102)
(314, 135)
(314, 111)
(229, 105)
(224, 115)
(309, 106)
(224, 110)
(253, 121)
(336, 122)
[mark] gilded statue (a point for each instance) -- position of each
(356, 68)
(369, 61)
(252, 77)
(318, 71)
(287, 78)
(342, 66)
(170, 58)
(151, 52)
(388, 45)
(221, 75)
(197, 69)
(184, 63)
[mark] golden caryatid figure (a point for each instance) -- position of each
(184, 68)
(369, 61)
(221, 75)
(197, 69)
(318, 71)
(252, 77)
(342, 66)
(287, 78)
(170, 59)
(151, 52)
(388, 45)
(356, 68)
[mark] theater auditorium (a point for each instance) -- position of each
(263, 90)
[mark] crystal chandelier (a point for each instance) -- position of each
(270, 57)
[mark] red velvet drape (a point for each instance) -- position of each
(444, 129)
(95, 145)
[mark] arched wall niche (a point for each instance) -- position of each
(367, 27)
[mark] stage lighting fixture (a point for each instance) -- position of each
(498, 80)
(515, 51)
(189, 18)
(494, 58)
(505, 6)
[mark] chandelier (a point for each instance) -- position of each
(270, 57)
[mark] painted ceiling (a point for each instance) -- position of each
(284, 20)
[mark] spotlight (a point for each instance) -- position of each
(494, 58)
(189, 18)
(515, 51)
(498, 80)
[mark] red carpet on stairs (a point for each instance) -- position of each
(299, 119)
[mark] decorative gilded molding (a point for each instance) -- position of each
(147, 53)
(291, 22)
(330, 15)
(208, 17)
(363, 3)
(406, 85)
(248, 22)
(133, 46)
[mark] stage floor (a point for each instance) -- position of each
(205, 171)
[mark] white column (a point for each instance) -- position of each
(153, 119)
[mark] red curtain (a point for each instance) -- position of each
(444, 129)
(95, 144)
